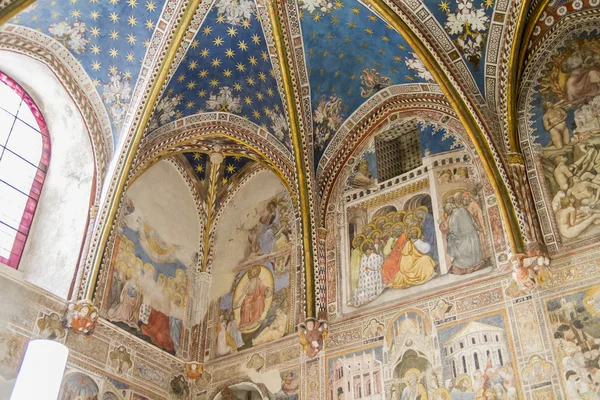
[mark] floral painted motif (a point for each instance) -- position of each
(235, 12)
(415, 64)
(373, 82)
(116, 95)
(224, 101)
(279, 126)
(468, 24)
(311, 6)
(328, 117)
(165, 111)
(72, 36)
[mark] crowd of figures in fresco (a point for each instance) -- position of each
(399, 249)
(575, 324)
(148, 286)
(395, 250)
(570, 115)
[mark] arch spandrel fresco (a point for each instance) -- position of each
(147, 286)
(251, 301)
(433, 227)
(562, 128)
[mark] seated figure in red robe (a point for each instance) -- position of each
(393, 253)
(158, 330)
(253, 299)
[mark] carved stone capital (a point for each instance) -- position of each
(515, 158)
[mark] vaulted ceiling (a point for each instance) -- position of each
(225, 62)
(281, 82)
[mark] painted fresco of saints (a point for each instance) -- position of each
(126, 310)
(462, 237)
(416, 267)
(370, 284)
(252, 301)
(414, 389)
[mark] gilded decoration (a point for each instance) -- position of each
(319, 200)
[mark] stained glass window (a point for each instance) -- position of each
(24, 158)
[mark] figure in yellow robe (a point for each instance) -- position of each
(416, 267)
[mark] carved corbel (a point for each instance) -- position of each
(312, 334)
(529, 271)
(81, 317)
(193, 370)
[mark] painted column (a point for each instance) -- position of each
(89, 232)
(321, 274)
(201, 283)
(435, 212)
(216, 159)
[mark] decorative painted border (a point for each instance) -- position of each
(200, 126)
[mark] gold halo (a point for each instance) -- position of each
(421, 208)
(390, 215)
(371, 225)
(443, 392)
(368, 241)
(378, 218)
(407, 216)
(462, 378)
(400, 224)
(400, 213)
(417, 229)
(356, 237)
(451, 193)
(411, 371)
(376, 231)
(388, 224)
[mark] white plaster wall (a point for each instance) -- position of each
(162, 198)
(52, 250)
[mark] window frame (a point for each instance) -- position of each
(35, 191)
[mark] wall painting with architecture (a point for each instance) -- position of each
(429, 229)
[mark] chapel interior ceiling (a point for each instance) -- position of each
(224, 63)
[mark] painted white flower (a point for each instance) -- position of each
(165, 111)
(415, 64)
(235, 11)
(317, 5)
(60, 29)
(72, 36)
(224, 101)
(454, 26)
(478, 20)
(116, 95)
(279, 126)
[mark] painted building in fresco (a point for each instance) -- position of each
(302, 200)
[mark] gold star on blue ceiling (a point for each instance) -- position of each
(227, 68)
(108, 37)
(351, 54)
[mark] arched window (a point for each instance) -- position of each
(24, 159)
